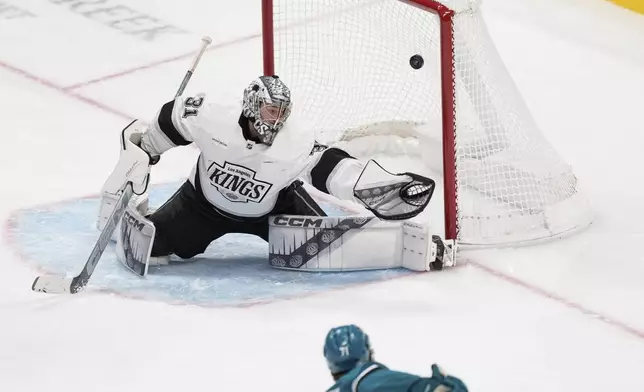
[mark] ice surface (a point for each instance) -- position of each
(563, 316)
(234, 270)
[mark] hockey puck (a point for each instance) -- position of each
(416, 61)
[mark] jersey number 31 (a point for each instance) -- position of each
(191, 106)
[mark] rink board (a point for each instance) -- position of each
(234, 270)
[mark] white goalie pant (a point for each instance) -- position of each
(350, 243)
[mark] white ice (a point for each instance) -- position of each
(565, 316)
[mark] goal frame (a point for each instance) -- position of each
(448, 99)
(455, 207)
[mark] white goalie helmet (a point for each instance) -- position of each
(267, 102)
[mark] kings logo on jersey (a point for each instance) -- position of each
(237, 183)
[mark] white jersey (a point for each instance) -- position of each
(237, 176)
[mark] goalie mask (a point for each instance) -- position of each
(267, 103)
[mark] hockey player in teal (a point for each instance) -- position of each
(350, 359)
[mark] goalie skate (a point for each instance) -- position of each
(443, 253)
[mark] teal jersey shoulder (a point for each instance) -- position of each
(376, 377)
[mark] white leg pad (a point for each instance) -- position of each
(351, 243)
(134, 240)
(418, 248)
(140, 203)
(159, 260)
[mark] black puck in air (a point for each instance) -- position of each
(416, 61)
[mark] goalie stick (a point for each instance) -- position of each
(59, 284)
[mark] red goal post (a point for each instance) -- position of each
(348, 63)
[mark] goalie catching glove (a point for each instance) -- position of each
(392, 196)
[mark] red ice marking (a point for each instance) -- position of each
(564, 301)
(161, 62)
(50, 84)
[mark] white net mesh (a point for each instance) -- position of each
(348, 65)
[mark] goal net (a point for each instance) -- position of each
(428, 72)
